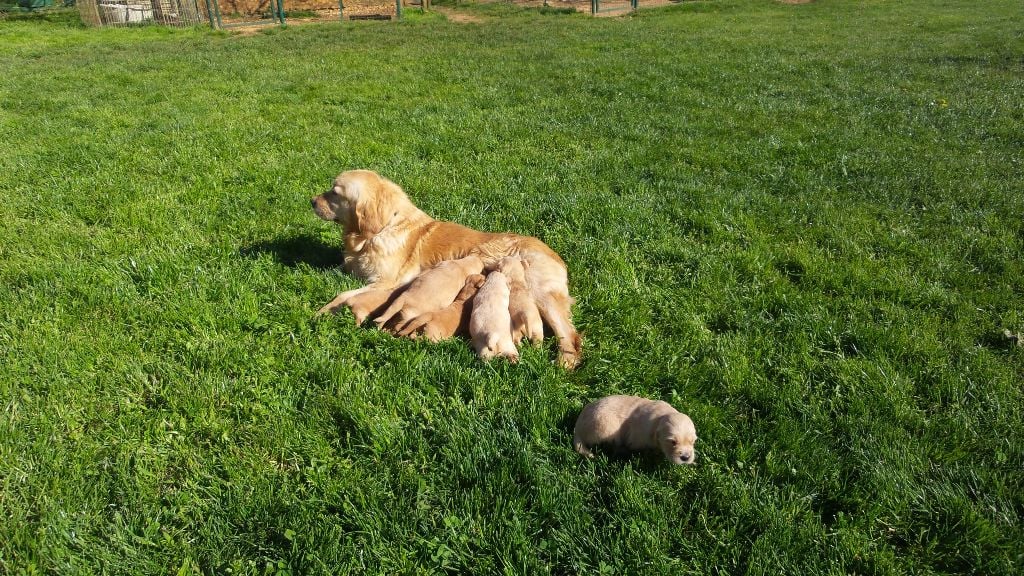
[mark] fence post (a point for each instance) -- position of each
(280, 11)
(209, 15)
(341, 10)
(593, 7)
(216, 8)
(398, 9)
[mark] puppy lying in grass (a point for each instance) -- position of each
(431, 291)
(362, 304)
(447, 322)
(636, 423)
(526, 321)
(490, 325)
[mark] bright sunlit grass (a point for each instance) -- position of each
(802, 225)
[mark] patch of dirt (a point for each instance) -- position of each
(248, 30)
(608, 8)
(457, 16)
(794, 1)
(240, 27)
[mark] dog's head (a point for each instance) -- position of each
(514, 267)
(472, 285)
(362, 202)
(676, 436)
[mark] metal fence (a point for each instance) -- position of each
(225, 14)
(132, 12)
(599, 6)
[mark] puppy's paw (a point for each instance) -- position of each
(568, 360)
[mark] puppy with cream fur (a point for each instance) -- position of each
(526, 321)
(450, 321)
(431, 291)
(490, 325)
(636, 423)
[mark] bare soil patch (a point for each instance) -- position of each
(457, 16)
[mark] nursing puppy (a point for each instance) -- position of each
(450, 321)
(431, 290)
(388, 241)
(636, 423)
(490, 325)
(363, 304)
(526, 322)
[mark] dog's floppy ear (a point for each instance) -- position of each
(371, 217)
(375, 208)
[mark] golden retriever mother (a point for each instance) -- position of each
(388, 241)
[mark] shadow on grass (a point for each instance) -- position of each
(297, 250)
(67, 17)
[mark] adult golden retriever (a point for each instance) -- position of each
(388, 241)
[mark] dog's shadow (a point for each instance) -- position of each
(294, 251)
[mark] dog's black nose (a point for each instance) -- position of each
(312, 202)
(685, 457)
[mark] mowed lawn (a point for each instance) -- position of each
(803, 225)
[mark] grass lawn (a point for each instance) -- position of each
(803, 225)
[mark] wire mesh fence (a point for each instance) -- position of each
(237, 13)
(131, 12)
(231, 13)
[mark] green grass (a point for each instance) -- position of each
(802, 225)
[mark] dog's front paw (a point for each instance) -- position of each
(333, 306)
